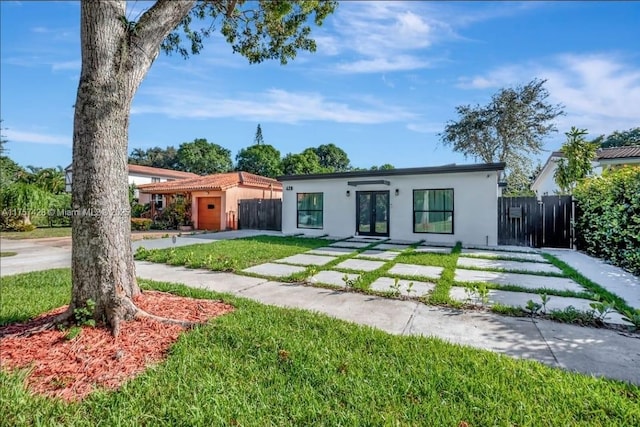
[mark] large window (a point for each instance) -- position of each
(309, 210)
(433, 211)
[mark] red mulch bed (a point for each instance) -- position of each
(71, 369)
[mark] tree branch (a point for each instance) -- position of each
(156, 24)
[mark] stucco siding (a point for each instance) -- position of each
(475, 205)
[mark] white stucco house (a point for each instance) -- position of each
(442, 204)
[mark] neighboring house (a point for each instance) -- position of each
(545, 183)
(139, 175)
(443, 204)
(214, 198)
(618, 156)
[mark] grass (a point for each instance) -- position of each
(38, 233)
(232, 255)
(262, 365)
(8, 253)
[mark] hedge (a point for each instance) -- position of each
(608, 225)
(140, 224)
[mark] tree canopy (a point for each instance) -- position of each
(260, 159)
(203, 157)
(576, 164)
(304, 163)
(511, 128)
(622, 139)
(166, 158)
(331, 157)
(258, 139)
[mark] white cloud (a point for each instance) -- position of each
(37, 138)
(426, 127)
(601, 93)
(274, 105)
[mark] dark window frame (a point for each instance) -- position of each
(413, 207)
(298, 211)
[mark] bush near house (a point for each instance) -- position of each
(140, 224)
(609, 224)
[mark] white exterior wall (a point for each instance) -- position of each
(475, 216)
(545, 183)
(139, 179)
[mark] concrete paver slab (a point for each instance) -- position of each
(433, 249)
(391, 246)
(306, 259)
(327, 250)
(614, 279)
(274, 270)
(416, 270)
(503, 254)
(385, 255)
(360, 264)
(536, 267)
(507, 248)
(335, 278)
(345, 244)
(592, 351)
(514, 336)
(418, 289)
(528, 281)
(519, 299)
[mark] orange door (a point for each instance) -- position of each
(209, 213)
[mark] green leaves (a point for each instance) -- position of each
(508, 129)
(609, 223)
(257, 30)
(579, 153)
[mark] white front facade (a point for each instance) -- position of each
(473, 216)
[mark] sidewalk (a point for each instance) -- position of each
(591, 351)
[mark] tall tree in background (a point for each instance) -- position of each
(166, 158)
(261, 159)
(301, 164)
(116, 56)
(203, 157)
(577, 162)
(510, 129)
(625, 138)
(332, 158)
(258, 140)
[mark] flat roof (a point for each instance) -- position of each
(398, 172)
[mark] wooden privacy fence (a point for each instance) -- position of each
(260, 214)
(526, 221)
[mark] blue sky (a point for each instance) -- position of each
(383, 83)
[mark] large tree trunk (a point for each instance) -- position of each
(115, 58)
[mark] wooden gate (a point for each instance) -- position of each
(526, 221)
(260, 214)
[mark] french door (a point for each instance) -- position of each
(372, 213)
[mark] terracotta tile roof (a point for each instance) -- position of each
(619, 152)
(160, 172)
(217, 182)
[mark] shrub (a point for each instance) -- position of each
(609, 224)
(140, 224)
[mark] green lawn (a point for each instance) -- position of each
(264, 366)
(232, 255)
(38, 233)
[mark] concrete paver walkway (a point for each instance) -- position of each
(528, 281)
(588, 350)
(591, 351)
